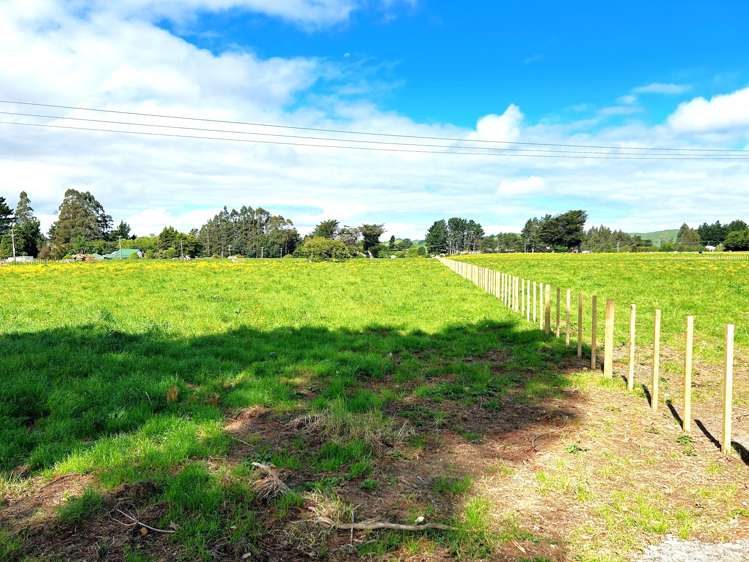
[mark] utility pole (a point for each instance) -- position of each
(13, 241)
(181, 250)
(119, 240)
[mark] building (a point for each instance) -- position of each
(124, 254)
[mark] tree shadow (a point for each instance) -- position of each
(131, 407)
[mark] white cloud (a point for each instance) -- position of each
(662, 88)
(521, 186)
(505, 127)
(103, 59)
(729, 111)
(619, 110)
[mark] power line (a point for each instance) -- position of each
(379, 149)
(367, 133)
(307, 137)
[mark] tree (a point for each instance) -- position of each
(248, 232)
(81, 218)
(6, 217)
(436, 238)
(391, 243)
(122, 232)
(318, 248)
(687, 238)
(737, 240)
(26, 229)
(326, 229)
(530, 235)
(371, 237)
(564, 231)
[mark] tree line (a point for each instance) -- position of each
(84, 227)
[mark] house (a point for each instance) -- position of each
(21, 259)
(123, 254)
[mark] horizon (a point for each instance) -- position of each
(598, 76)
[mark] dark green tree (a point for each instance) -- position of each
(122, 231)
(26, 230)
(326, 229)
(371, 237)
(436, 238)
(6, 217)
(737, 241)
(81, 218)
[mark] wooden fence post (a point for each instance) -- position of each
(688, 360)
(656, 359)
(528, 305)
(540, 305)
(517, 293)
(522, 296)
(567, 305)
(728, 391)
(547, 309)
(557, 330)
(632, 344)
(593, 330)
(608, 340)
(535, 302)
(580, 324)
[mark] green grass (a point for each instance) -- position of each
(76, 509)
(714, 291)
(130, 371)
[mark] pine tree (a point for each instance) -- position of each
(26, 230)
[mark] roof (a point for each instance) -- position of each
(124, 253)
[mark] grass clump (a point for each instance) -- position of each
(77, 509)
(446, 485)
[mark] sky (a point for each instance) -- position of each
(635, 73)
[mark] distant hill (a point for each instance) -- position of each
(659, 236)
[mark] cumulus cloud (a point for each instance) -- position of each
(662, 88)
(505, 127)
(729, 111)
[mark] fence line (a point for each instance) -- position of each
(535, 307)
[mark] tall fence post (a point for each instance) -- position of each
(567, 306)
(580, 324)
(688, 361)
(517, 293)
(728, 391)
(528, 305)
(608, 340)
(593, 330)
(557, 330)
(541, 292)
(535, 302)
(632, 344)
(547, 309)
(656, 360)
(522, 296)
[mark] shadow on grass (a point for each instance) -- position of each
(136, 407)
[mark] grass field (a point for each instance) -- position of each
(374, 390)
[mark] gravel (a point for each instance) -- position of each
(676, 550)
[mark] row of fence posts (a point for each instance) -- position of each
(532, 300)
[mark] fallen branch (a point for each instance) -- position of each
(135, 522)
(374, 525)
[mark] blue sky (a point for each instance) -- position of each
(454, 61)
(622, 74)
